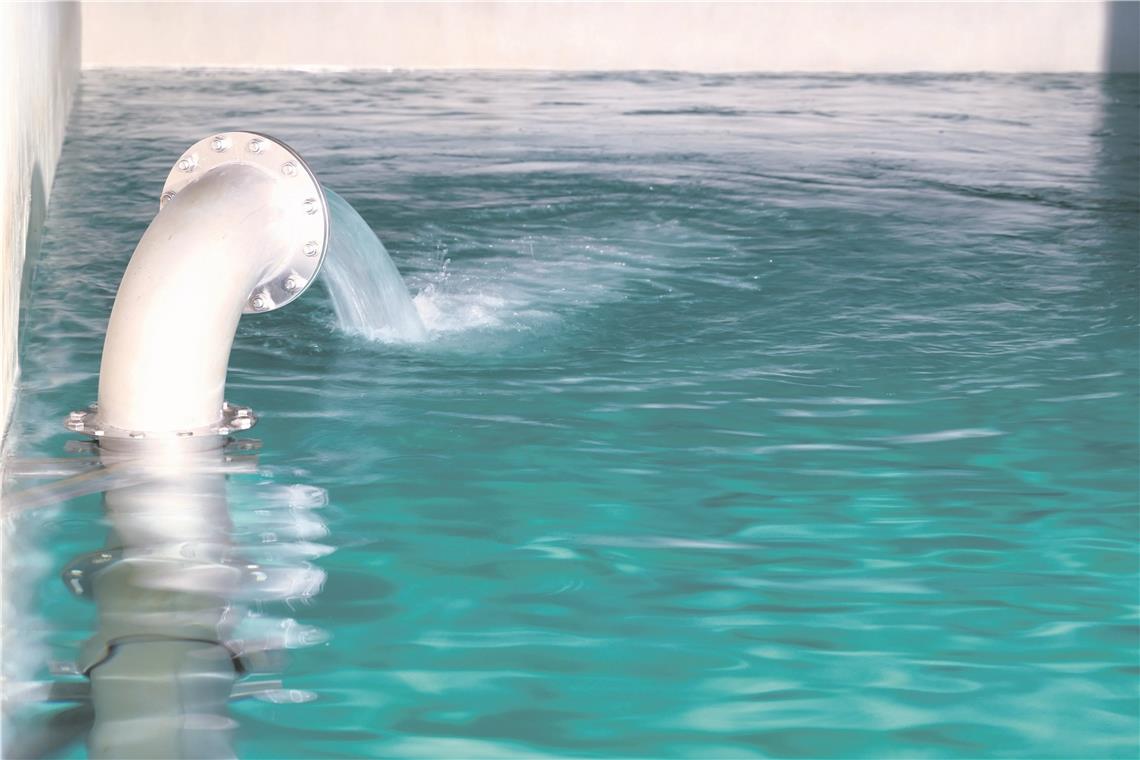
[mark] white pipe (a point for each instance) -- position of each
(243, 228)
(168, 341)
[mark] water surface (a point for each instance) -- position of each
(758, 416)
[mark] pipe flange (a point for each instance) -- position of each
(233, 419)
(297, 188)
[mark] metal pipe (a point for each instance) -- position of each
(242, 228)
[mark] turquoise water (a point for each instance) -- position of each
(759, 416)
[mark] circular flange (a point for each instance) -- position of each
(233, 418)
(297, 188)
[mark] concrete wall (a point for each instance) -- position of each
(39, 68)
(695, 36)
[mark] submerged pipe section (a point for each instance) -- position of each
(160, 665)
(242, 228)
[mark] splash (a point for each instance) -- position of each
(368, 295)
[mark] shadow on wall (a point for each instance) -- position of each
(37, 214)
(1122, 46)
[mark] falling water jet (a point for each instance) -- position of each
(368, 295)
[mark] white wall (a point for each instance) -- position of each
(695, 36)
(39, 67)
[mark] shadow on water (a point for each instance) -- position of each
(1118, 167)
(1117, 176)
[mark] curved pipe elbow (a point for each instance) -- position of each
(243, 228)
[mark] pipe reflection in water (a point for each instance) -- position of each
(177, 636)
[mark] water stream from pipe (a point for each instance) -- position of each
(368, 294)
